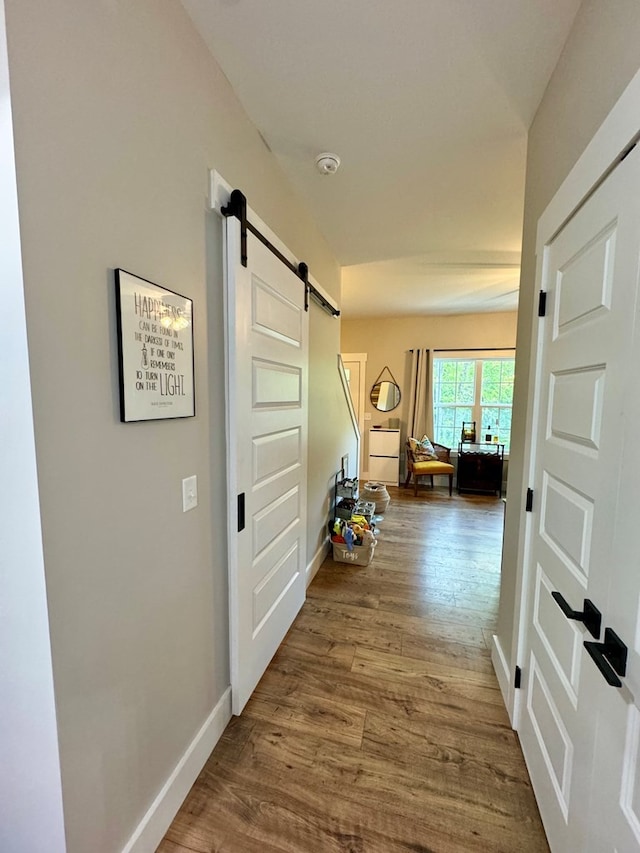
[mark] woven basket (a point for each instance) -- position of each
(376, 493)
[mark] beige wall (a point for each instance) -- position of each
(331, 432)
(599, 59)
(387, 342)
(119, 112)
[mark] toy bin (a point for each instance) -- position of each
(361, 555)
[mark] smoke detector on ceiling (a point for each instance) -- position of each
(327, 164)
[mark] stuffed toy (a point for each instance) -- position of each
(349, 538)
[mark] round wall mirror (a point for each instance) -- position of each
(385, 396)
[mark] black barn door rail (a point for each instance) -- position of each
(238, 207)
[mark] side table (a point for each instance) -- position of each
(480, 467)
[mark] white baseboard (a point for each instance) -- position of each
(151, 829)
(317, 560)
(501, 667)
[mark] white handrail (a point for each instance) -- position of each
(352, 411)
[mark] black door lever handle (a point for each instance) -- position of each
(610, 657)
(589, 614)
(595, 650)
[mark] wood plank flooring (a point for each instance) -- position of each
(379, 726)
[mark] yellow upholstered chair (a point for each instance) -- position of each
(442, 466)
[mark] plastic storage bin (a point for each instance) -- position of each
(345, 508)
(365, 508)
(347, 489)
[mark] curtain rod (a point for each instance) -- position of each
(473, 349)
(476, 349)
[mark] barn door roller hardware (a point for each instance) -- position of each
(237, 207)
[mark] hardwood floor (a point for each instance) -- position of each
(379, 726)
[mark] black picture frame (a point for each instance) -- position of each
(155, 350)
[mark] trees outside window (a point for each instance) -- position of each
(472, 389)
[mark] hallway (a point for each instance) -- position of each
(379, 726)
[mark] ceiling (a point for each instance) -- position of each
(427, 103)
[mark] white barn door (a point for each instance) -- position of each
(267, 352)
(579, 734)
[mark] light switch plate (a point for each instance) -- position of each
(189, 493)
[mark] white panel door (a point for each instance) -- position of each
(267, 420)
(575, 729)
(614, 807)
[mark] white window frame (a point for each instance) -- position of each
(478, 356)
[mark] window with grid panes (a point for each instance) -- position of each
(472, 389)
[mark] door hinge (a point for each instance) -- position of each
(528, 507)
(240, 512)
(542, 303)
(518, 679)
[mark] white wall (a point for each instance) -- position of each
(599, 59)
(30, 788)
(119, 112)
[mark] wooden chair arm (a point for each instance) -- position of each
(443, 453)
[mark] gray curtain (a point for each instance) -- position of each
(420, 420)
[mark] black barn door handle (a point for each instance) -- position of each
(240, 512)
(589, 614)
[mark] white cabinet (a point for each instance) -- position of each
(384, 456)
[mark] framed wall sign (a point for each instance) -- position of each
(155, 350)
